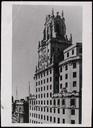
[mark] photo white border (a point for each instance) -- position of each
(6, 64)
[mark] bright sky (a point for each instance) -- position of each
(28, 22)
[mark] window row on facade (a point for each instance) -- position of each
(53, 102)
(44, 95)
(66, 75)
(44, 88)
(67, 66)
(66, 84)
(43, 74)
(73, 51)
(50, 118)
(44, 81)
(53, 110)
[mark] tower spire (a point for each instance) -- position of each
(52, 12)
(16, 93)
(29, 88)
(62, 14)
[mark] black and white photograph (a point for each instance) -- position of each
(48, 85)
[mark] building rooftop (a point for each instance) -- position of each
(72, 46)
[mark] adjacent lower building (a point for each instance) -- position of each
(58, 76)
(21, 111)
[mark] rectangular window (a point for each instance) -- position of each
(50, 109)
(36, 83)
(54, 102)
(50, 71)
(58, 102)
(41, 116)
(58, 110)
(47, 87)
(54, 110)
(60, 69)
(41, 89)
(47, 94)
(47, 80)
(50, 79)
(47, 102)
(74, 83)
(44, 88)
(60, 85)
(47, 72)
(63, 111)
(63, 102)
(58, 120)
(63, 120)
(50, 118)
(41, 102)
(60, 77)
(66, 76)
(72, 51)
(47, 109)
(44, 101)
(44, 81)
(44, 109)
(41, 95)
(74, 74)
(50, 102)
(44, 95)
(73, 112)
(54, 120)
(66, 67)
(74, 65)
(68, 54)
(72, 102)
(50, 86)
(44, 117)
(41, 82)
(50, 94)
(47, 118)
(72, 121)
(80, 50)
(66, 84)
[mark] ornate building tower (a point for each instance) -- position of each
(50, 49)
(47, 105)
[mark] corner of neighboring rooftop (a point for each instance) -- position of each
(72, 46)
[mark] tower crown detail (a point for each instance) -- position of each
(54, 26)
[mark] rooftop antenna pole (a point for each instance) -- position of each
(29, 88)
(16, 93)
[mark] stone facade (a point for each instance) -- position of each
(58, 76)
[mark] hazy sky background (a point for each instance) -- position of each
(28, 23)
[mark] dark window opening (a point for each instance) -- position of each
(74, 65)
(74, 74)
(66, 76)
(63, 120)
(63, 102)
(72, 51)
(74, 83)
(63, 111)
(73, 112)
(68, 54)
(72, 102)
(72, 121)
